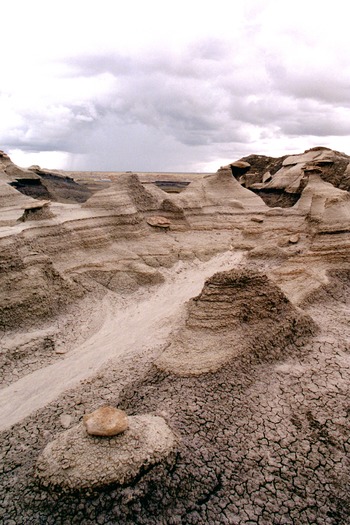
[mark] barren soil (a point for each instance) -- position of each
(125, 327)
(108, 297)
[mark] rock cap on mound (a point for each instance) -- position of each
(76, 461)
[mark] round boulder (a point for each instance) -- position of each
(106, 421)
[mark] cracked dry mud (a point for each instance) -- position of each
(263, 435)
(270, 439)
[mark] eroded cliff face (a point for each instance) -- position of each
(280, 181)
(249, 378)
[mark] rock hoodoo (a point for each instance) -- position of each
(237, 312)
(76, 460)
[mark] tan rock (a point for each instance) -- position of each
(311, 168)
(219, 190)
(157, 220)
(106, 421)
(293, 239)
(66, 420)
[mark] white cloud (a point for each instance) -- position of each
(152, 85)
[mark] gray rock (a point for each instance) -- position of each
(66, 420)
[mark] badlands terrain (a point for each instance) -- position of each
(212, 308)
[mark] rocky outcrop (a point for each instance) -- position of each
(36, 211)
(216, 200)
(326, 207)
(77, 461)
(126, 196)
(14, 172)
(31, 289)
(238, 312)
(281, 181)
(41, 184)
(12, 203)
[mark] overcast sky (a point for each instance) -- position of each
(189, 85)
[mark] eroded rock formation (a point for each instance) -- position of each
(76, 461)
(280, 181)
(252, 375)
(238, 312)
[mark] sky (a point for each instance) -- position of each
(148, 85)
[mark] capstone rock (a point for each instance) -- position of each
(106, 421)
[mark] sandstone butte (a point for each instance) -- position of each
(200, 322)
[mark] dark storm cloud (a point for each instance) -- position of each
(187, 95)
(204, 95)
(54, 127)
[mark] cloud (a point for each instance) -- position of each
(180, 88)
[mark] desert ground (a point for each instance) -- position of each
(212, 309)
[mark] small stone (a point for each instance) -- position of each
(46, 434)
(61, 351)
(157, 220)
(257, 219)
(293, 239)
(106, 421)
(65, 420)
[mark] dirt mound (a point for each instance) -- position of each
(31, 289)
(95, 461)
(335, 290)
(219, 190)
(238, 312)
(126, 196)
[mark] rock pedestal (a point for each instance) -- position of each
(77, 460)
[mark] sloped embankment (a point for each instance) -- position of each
(238, 312)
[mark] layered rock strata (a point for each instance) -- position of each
(238, 312)
(256, 394)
